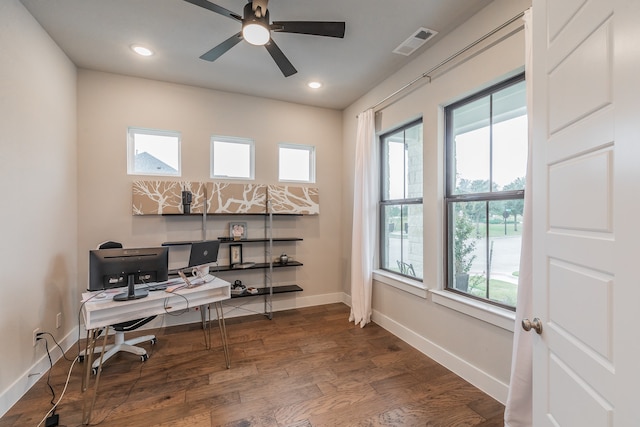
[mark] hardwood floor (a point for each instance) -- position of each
(306, 367)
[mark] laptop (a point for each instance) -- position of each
(205, 252)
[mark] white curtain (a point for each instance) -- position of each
(518, 411)
(363, 233)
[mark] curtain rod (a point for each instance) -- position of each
(449, 59)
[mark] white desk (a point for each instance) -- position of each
(101, 313)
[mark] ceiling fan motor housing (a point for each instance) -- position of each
(255, 25)
(259, 7)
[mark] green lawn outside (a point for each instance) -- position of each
(497, 230)
(499, 291)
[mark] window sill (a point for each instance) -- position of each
(497, 316)
(233, 178)
(414, 287)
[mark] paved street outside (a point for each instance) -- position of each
(505, 258)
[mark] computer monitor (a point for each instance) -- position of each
(115, 268)
(205, 252)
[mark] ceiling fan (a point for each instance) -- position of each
(256, 29)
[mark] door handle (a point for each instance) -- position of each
(536, 325)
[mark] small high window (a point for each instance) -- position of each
(153, 152)
(232, 158)
(297, 163)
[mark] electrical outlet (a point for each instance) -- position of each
(58, 320)
(35, 336)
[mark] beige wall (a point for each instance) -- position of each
(108, 104)
(39, 211)
(471, 347)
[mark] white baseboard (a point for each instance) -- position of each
(480, 379)
(246, 306)
(15, 391)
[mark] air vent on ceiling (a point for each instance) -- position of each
(416, 40)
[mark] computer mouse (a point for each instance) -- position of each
(101, 295)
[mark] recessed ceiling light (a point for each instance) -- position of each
(314, 85)
(141, 50)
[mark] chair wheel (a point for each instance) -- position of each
(153, 341)
(81, 358)
(144, 357)
(94, 371)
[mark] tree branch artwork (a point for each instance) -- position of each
(165, 197)
(156, 197)
(296, 200)
(238, 198)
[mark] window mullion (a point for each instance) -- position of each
(487, 249)
(490, 146)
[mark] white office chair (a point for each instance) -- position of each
(120, 329)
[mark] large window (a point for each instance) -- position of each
(401, 201)
(232, 158)
(486, 159)
(153, 152)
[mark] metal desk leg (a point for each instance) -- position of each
(92, 337)
(206, 325)
(88, 349)
(206, 328)
(223, 332)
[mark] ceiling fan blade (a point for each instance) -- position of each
(316, 28)
(215, 8)
(217, 51)
(283, 63)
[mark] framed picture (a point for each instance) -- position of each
(238, 230)
(235, 254)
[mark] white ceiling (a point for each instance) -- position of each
(97, 34)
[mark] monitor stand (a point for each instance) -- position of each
(132, 292)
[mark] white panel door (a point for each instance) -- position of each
(586, 196)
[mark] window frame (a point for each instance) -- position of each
(232, 140)
(311, 149)
(402, 203)
(450, 198)
(132, 131)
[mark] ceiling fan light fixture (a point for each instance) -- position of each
(256, 33)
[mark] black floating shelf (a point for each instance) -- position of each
(275, 239)
(229, 214)
(178, 243)
(265, 291)
(256, 266)
(228, 240)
